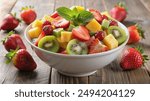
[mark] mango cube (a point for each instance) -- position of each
(47, 18)
(66, 36)
(94, 26)
(34, 32)
(78, 8)
(62, 44)
(37, 23)
(110, 41)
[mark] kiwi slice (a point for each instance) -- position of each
(75, 47)
(105, 24)
(49, 43)
(118, 33)
(57, 32)
(71, 26)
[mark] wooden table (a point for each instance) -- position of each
(138, 11)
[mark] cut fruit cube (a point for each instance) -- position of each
(47, 18)
(62, 44)
(34, 32)
(37, 23)
(66, 36)
(78, 8)
(105, 24)
(93, 26)
(57, 32)
(110, 41)
(107, 14)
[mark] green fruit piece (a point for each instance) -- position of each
(118, 33)
(57, 32)
(105, 24)
(75, 47)
(49, 43)
(71, 26)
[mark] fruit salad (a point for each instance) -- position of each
(77, 31)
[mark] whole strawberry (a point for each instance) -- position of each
(133, 58)
(28, 14)
(10, 22)
(12, 41)
(22, 60)
(136, 33)
(119, 12)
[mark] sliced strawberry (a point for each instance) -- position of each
(97, 47)
(97, 15)
(60, 22)
(40, 37)
(81, 33)
(54, 15)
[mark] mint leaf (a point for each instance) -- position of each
(85, 16)
(66, 13)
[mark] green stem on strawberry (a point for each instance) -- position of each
(10, 55)
(123, 5)
(9, 34)
(140, 30)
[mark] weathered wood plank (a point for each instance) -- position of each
(41, 74)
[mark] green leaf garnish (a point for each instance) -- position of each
(73, 15)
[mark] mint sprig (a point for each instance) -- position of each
(76, 17)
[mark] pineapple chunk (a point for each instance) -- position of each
(110, 41)
(37, 23)
(62, 44)
(66, 36)
(94, 26)
(80, 8)
(48, 18)
(34, 32)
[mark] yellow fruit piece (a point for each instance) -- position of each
(94, 26)
(80, 8)
(66, 36)
(48, 18)
(110, 41)
(34, 32)
(107, 14)
(62, 44)
(37, 23)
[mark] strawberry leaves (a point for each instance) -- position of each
(78, 18)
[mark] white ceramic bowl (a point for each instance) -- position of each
(77, 65)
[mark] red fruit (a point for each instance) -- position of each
(104, 17)
(39, 38)
(22, 60)
(133, 58)
(136, 33)
(100, 35)
(47, 29)
(96, 15)
(113, 23)
(60, 22)
(28, 15)
(97, 47)
(54, 15)
(81, 33)
(9, 23)
(46, 23)
(12, 41)
(119, 12)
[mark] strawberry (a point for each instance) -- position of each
(10, 22)
(28, 14)
(136, 33)
(12, 41)
(119, 12)
(47, 29)
(97, 47)
(46, 23)
(39, 38)
(21, 59)
(97, 15)
(55, 14)
(60, 22)
(133, 58)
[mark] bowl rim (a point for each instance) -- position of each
(79, 56)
